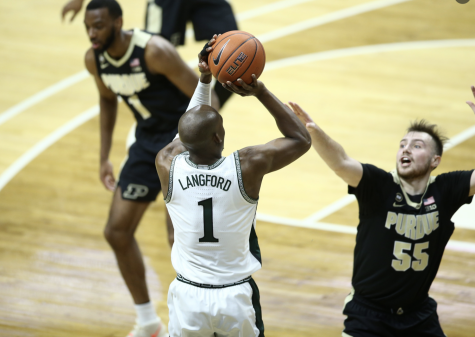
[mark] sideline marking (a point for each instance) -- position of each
(42, 95)
(327, 18)
(46, 142)
(14, 168)
(309, 222)
(355, 10)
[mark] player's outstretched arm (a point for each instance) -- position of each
(256, 161)
(201, 96)
(472, 181)
(347, 168)
(108, 114)
(162, 58)
(72, 5)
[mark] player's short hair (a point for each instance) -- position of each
(432, 130)
(112, 6)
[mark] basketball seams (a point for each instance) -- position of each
(232, 53)
(253, 58)
(222, 41)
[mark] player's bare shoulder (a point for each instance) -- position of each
(160, 53)
(90, 61)
(165, 157)
(254, 159)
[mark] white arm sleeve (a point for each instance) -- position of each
(201, 96)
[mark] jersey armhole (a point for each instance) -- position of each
(170, 180)
(239, 176)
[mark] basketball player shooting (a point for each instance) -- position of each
(155, 83)
(403, 230)
(212, 201)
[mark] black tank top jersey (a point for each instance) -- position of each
(156, 103)
(401, 238)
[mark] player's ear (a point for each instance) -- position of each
(435, 161)
(118, 23)
(217, 139)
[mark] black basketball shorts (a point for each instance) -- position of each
(169, 17)
(365, 321)
(138, 178)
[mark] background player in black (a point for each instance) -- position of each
(404, 228)
(169, 18)
(141, 68)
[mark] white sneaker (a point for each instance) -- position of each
(153, 329)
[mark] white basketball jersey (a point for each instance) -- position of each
(214, 221)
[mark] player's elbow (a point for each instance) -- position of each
(305, 141)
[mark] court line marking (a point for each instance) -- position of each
(460, 246)
(21, 162)
(309, 222)
(45, 143)
(42, 95)
(327, 18)
(340, 14)
(346, 52)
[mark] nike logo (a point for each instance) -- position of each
(104, 65)
(216, 60)
(396, 205)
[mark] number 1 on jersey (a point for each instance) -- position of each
(208, 220)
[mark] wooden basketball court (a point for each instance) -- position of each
(363, 69)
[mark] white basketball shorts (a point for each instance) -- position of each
(214, 312)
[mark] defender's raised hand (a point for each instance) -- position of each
(74, 6)
(253, 89)
(470, 104)
(303, 116)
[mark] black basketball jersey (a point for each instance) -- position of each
(156, 103)
(401, 238)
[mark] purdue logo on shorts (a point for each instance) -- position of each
(135, 191)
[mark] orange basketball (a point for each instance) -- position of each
(236, 54)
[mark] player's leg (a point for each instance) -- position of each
(189, 311)
(124, 217)
(138, 185)
(167, 18)
(238, 311)
(427, 328)
(213, 17)
(362, 321)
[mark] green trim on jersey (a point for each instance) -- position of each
(203, 167)
(241, 184)
(256, 304)
(170, 179)
(416, 205)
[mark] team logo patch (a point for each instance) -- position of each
(135, 191)
(135, 62)
(398, 197)
(429, 201)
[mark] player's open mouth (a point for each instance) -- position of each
(405, 161)
(95, 45)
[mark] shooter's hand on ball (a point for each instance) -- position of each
(256, 88)
(470, 104)
(203, 66)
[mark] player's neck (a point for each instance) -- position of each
(120, 45)
(204, 159)
(415, 186)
